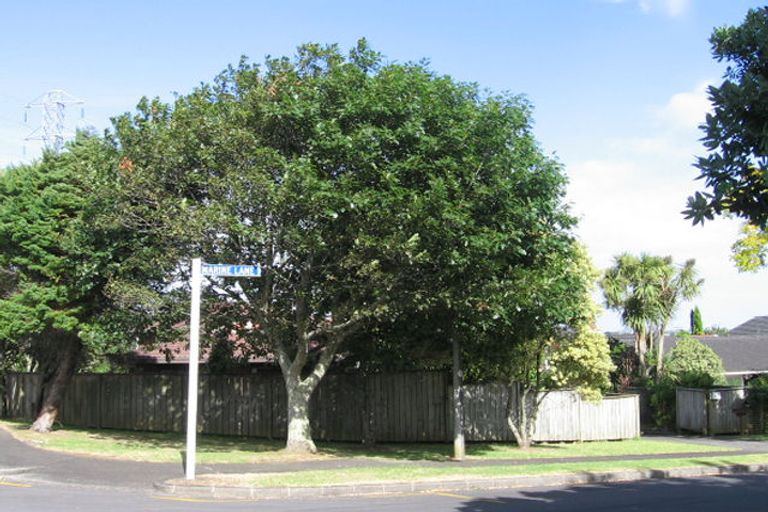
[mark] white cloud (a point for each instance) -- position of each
(629, 193)
(660, 144)
(671, 8)
(686, 110)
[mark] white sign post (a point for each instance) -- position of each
(194, 359)
(199, 269)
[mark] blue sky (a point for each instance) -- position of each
(618, 88)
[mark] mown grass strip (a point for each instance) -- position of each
(409, 473)
(167, 447)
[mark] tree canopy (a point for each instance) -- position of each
(735, 170)
(54, 268)
(364, 189)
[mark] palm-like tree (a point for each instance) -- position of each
(647, 291)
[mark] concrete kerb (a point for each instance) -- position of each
(192, 490)
(16, 471)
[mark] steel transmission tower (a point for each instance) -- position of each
(53, 105)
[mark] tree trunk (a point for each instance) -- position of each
(521, 415)
(68, 348)
(660, 352)
(299, 430)
(459, 450)
(640, 350)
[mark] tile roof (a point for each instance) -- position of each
(756, 326)
(740, 354)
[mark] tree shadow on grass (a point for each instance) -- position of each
(435, 451)
(265, 449)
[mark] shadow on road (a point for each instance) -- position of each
(744, 493)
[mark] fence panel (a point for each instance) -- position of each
(485, 412)
(710, 411)
(615, 417)
(403, 407)
(691, 409)
(722, 416)
(559, 417)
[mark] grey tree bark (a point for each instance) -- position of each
(459, 446)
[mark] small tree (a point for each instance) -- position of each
(697, 326)
(647, 291)
(546, 340)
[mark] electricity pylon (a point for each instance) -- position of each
(53, 105)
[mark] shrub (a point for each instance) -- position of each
(693, 364)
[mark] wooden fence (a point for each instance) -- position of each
(711, 411)
(404, 407)
(563, 416)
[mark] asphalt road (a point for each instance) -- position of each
(745, 493)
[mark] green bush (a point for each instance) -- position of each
(661, 398)
(693, 364)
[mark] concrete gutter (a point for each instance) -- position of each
(193, 490)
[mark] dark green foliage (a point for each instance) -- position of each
(661, 397)
(697, 326)
(735, 171)
(625, 362)
(56, 268)
(371, 193)
(224, 359)
(757, 403)
(365, 190)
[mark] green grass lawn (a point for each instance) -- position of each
(162, 447)
(409, 473)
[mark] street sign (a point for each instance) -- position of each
(210, 269)
(200, 269)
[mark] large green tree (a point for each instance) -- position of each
(364, 189)
(647, 291)
(735, 170)
(54, 270)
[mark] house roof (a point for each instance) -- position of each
(743, 351)
(177, 352)
(755, 326)
(740, 354)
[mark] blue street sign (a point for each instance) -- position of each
(210, 269)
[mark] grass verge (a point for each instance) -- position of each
(410, 473)
(167, 447)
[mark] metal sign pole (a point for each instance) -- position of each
(194, 358)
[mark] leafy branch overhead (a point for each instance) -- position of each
(735, 170)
